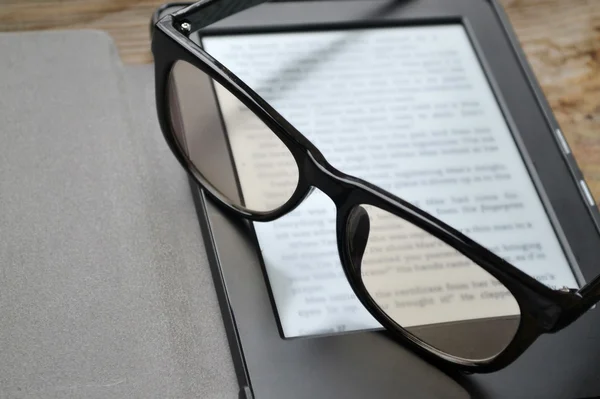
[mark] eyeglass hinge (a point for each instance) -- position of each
(184, 27)
(568, 290)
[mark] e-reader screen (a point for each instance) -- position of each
(411, 110)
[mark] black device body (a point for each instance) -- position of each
(362, 364)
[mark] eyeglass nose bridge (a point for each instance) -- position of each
(323, 176)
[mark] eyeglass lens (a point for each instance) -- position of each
(401, 263)
(200, 127)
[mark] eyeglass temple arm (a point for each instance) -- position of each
(590, 293)
(206, 12)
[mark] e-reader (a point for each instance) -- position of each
(434, 102)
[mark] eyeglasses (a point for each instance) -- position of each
(366, 214)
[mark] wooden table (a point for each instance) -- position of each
(561, 39)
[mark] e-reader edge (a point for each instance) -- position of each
(558, 175)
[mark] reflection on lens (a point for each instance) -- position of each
(429, 288)
(211, 135)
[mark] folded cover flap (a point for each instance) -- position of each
(105, 289)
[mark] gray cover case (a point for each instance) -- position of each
(105, 289)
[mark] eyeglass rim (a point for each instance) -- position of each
(543, 310)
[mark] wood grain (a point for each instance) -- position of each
(561, 39)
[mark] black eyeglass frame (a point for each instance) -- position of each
(543, 310)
